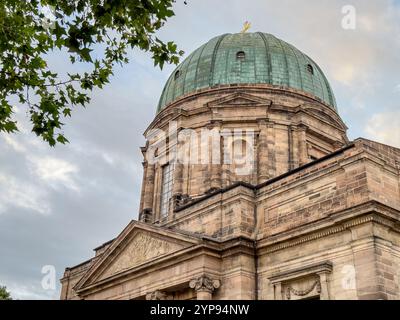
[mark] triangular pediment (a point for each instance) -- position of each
(138, 245)
(325, 114)
(240, 99)
(143, 247)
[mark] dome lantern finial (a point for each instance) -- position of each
(246, 27)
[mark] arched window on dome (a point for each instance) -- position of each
(310, 69)
(240, 55)
(177, 75)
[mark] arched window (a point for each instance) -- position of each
(240, 55)
(310, 69)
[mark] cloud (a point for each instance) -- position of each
(13, 143)
(18, 193)
(55, 172)
(385, 128)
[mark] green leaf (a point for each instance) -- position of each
(80, 27)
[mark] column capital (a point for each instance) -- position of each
(204, 283)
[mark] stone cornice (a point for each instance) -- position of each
(322, 114)
(315, 268)
(247, 88)
(371, 211)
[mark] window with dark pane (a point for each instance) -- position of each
(166, 188)
(240, 55)
(310, 69)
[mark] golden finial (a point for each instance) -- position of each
(246, 26)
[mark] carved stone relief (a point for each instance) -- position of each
(143, 247)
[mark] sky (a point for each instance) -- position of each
(57, 204)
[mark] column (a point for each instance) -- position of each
(178, 180)
(226, 157)
(262, 152)
(215, 156)
(278, 290)
(271, 150)
(204, 287)
(290, 148)
(323, 280)
(303, 153)
(295, 146)
(142, 192)
(147, 208)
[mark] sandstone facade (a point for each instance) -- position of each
(316, 217)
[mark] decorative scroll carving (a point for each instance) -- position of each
(158, 295)
(204, 283)
(301, 293)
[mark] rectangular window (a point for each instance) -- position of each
(166, 188)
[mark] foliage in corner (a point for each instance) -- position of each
(4, 294)
(97, 33)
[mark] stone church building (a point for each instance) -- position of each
(281, 204)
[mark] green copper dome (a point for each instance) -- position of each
(247, 58)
